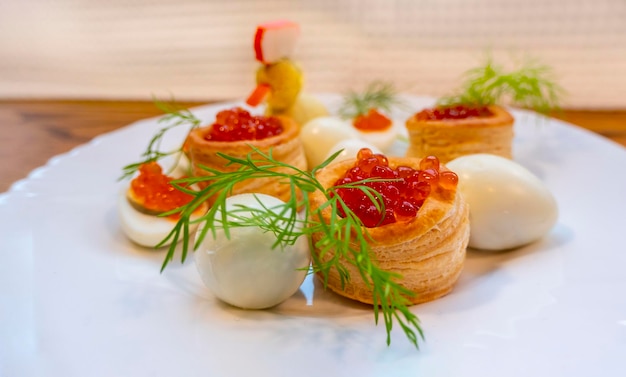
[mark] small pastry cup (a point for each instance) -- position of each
(285, 147)
(428, 251)
(449, 139)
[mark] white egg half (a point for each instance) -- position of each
(321, 134)
(350, 148)
(244, 270)
(381, 139)
(145, 230)
(509, 206)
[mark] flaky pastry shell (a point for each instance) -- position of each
(286, 147)
(428, 251)
(449, 139)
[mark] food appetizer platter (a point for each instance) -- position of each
(331, 242)
(79, 299)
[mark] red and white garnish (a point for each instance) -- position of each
(275, 40)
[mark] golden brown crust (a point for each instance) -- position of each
(286, 147)
(428, 251)
(449, 139)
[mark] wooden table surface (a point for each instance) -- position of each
(32, 131)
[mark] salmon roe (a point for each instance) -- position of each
(403, 189)
(238, 124)
(454, 112)
(372, 121)
(154, 191)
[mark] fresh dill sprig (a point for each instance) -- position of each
(175, 117)
(378, 95)
(342, 240)
(531, 85)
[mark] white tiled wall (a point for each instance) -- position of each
(201, 49)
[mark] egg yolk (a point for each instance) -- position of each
(372, 121)
(402, 190)
(153, 191)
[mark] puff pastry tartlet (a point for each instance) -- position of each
(285, 147)
(448, 138)
(428, 251)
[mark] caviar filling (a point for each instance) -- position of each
(372, 121)
(402, 189)
(454, 112)
(152, 192)
(238, 124)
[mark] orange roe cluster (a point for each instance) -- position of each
(403, 189)
(155, 192)
(454, 112)
(372, 121)
(238, 124)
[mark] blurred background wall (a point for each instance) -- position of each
(202, 49)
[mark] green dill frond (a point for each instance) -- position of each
(378, 95)
(175, 116)
(531, 85)
(341, 241)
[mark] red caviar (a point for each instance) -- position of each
(403, 194)
(372, 121)
(154, 192)
(454, 112)
(238, 124)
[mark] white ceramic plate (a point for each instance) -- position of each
(78, 299)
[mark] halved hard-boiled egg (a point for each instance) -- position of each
(321, 134)
(139, 206)
(376, 129)
(244, 269)
(509, 206)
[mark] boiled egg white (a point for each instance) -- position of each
(321, 134)
(244, 270)
(350, 148)
(145, 230)
(509, 206)
(380, 139)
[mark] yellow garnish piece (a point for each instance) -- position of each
(285, 80)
